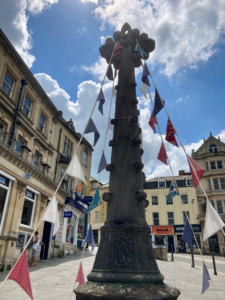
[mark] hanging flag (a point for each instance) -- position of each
(77, 197)
(51, 214)
(75, 170)
(198, 169)
(213, 222)
(95, 201)
(145, 75)
(139, 51)
(109, 73)
(20, 274)
(101, 99)
(162, 156)
(158, 103)
(188, 234)
(113, 92)
(143, 90)
(110, 126)
(117, 50)
(153, 121)
(102, 163)
(170, 133)
(90, 238)
(92, 128)
(205, 279)
(115, 74)
(172, 192)
(80, 276)
(80, 187)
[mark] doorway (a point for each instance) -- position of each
(170, 244)
(46, 240)
(95, 234)
(213, 244)
(181, 244)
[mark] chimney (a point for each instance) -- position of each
(181, 172)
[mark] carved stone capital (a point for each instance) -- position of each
(21, 185)
(44, 198)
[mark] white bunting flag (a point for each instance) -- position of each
(110, 126)
(143, 90)
(113, 92)
(213, 222)
(56, 225)
(75, 170)
(51, 215)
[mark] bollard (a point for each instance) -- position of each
(192, 256)
(172, 253)
(214, 264)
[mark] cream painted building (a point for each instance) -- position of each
(36, 146)
(211, 157)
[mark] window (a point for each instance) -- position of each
(222, 183)
(213, 165)
(2, 127)
(209, 183)
(19, 144)
(154, 200)
(184, 216)
(219, 164)
(212, 148)
(197, 237)
(212, 202)
(216, 184)
(37, 160)
(155, 218)
(41, 125)
(190, 182)
(85, 157)
(170, 218)
(170, 202)
(206, 166)
(219, 207)
(70, 230)
(8, 84)
(28, 208)
(68, 147)
(162, 183)
(96, 216)
(184, 199)
(27, 107)
(63, 169)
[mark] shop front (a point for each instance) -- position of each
(162, 237)
(180, 245)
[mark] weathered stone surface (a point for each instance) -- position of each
(118, 291)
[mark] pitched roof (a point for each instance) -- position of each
(169, 178)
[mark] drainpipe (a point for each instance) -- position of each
(23, 84)
(56, 164)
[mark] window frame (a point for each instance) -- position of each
(161, 180)
(170, 212)
(97, 213)
(212, 162)
(221, 183)
(219, 207)
(153, 204)
(184, 216)
(154, 219)
(29, 109)
(217, 184)
(44, 125)
(34, 204)
(39, 162)
(67, 147)
(4, 82)
(65, 224)
(210, 184)
(85, 159)
(182, 201)
(207, 166)
(213, 146)
(170, 202)
(24, 143)
(218, 164)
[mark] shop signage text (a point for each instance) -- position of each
(180, 228)
(68, 214)
(165, 230)
(88, 199)
(74, 203)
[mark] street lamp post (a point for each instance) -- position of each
(125, 266)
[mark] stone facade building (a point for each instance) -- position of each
(211, 157)
(36, 146)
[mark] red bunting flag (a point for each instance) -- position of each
(198, 169)
(20, 274)
(170, 134)
(153, 121)
(80, 277)
(117, 50)
(80, 187)
(162, 156)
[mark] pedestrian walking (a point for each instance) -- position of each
(35, 249)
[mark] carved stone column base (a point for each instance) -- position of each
(122, 291)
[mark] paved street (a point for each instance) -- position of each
(54, 279)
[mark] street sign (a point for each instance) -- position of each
(180, 228)
(83, 243)
(27, 176)
(68, 214)
(88, 199)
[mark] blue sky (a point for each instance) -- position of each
(59, 41)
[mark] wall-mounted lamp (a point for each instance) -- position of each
(192, 201)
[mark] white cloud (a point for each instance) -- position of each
(98, 69)
(86, 1)
(74, 68)
(82, 30)
(13, 21)
(186, 32)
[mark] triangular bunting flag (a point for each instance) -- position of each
(198, 169)
(101, 99)
(80, 187)
(110, 126)
(172, 192)
(113, 92)
(56, 224)
(188, 234)
(75, 170)
(117, 50)
(90, 238)
(205, 278)
(213, 222)
(115, 73)
(80, 276)
(92, 128)
(102, 163)
(143, 90)
(109, 73)
(145, 75)
(139, 51)
(20, 274)
(158, 103)
(95, 201)
(170, 134)
(162, 156)
(51, 215)
(152, 122)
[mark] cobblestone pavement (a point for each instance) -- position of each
(54, 279)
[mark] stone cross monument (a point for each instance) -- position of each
(125, 266)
